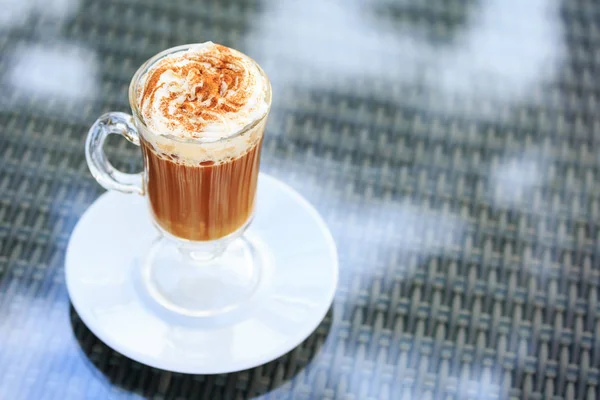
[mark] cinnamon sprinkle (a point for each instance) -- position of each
(217, 85)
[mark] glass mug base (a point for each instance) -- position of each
(202, 279)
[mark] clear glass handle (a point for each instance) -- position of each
(107, 175)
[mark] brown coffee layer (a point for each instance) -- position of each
(202, 202)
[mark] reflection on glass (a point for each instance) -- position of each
(505, 52)
(514, 180)
(16, 13)
(58, 73)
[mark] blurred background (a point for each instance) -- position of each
(452, 146)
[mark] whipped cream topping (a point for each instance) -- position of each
(208, 92)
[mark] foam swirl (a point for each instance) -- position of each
(207, 92)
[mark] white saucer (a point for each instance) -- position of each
(295, 292)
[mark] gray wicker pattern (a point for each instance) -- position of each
(452, 147)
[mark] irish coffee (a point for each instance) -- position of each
(204, 112)
(199, 114)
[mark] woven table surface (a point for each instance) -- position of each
(452, 147)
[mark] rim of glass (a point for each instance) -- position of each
(133, 86)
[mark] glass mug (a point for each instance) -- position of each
(201, 264)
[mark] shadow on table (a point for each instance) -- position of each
(146, 381)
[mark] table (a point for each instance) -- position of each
(452, 148)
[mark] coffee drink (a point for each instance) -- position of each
(204, 111)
